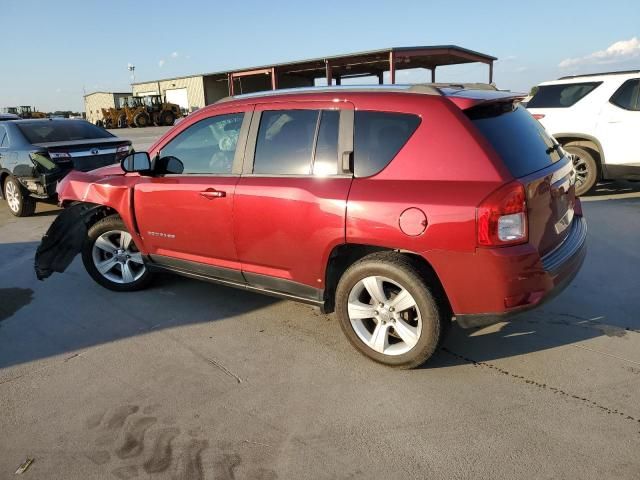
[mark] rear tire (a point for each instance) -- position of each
(18, 200)
(389, 311)
(112, 258)
(586, 169)
(168, 118)
(141, 120)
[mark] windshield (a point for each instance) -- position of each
(60, 131)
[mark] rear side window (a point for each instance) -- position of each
(285, 142)
(519, 139)
(628, 95)
(561, 95)
(378, 137)
(61, 131)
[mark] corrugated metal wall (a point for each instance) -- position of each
(194, 86)
(94, 102)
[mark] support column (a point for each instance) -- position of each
(230, 84)
(329, 73)
(433, 75)
(392, 67)
(274, 79)
(338, 80)
(491, 72)
(380, 78)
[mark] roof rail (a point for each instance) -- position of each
(421, 88)
(619, 72)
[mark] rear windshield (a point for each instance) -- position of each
(521, 141)
(61, 131)
(561, 95)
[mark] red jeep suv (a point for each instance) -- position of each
(397, 207)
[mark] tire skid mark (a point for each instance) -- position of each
(133, 442)
(544, 386)
(119, 416)
(190, 463)
(161, 456)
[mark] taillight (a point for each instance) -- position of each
(122, 151)
(538, 116)
(501, 218)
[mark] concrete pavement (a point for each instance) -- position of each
(190, 380)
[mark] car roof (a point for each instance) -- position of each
(472, 91)
(595, 77)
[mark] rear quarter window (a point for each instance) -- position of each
(561, 95)
(518, 138)
(61, 131)
(378, 137)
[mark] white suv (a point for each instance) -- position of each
(596, 118)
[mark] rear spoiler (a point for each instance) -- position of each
(80, 143)
(466, 99)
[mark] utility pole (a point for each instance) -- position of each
(132, 69)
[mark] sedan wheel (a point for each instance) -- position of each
(19, 203)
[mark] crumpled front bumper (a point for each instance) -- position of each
(64, 239)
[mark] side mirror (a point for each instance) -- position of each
(136, 162)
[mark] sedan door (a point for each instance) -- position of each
(185, 219)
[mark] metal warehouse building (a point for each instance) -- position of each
(196, 91)
(96, 101)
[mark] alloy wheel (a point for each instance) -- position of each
(116, 257)
(582, 169)
(13, 196)
(384, 315)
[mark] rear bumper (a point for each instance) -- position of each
(531, 288)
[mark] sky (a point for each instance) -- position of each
(55, 51)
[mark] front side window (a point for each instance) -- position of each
(378, 137)
(628, 95)
(561, 95)
(207, 147)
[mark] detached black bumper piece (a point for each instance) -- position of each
(64, 239)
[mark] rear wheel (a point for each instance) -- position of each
(141, 120)
(111, 257)
(388, 312)
(122, 121)
(168, 118)
(99, 123)
(18, 200)
(586, 168)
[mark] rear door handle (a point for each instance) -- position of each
(211, 193)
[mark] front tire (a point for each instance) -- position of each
(112, 258)
(18, 200)
(586, 168)
(389, 312)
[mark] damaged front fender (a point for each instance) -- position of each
(64, 239)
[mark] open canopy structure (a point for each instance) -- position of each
(367, 64)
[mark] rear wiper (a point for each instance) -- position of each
(555, 148)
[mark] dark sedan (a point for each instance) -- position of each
(36, 154)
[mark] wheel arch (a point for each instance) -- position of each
(346, 254)
(585, 141)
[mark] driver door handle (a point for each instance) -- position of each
(211, 193)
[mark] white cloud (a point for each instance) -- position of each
(618, 51)
(161, 63)
(174, 55)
